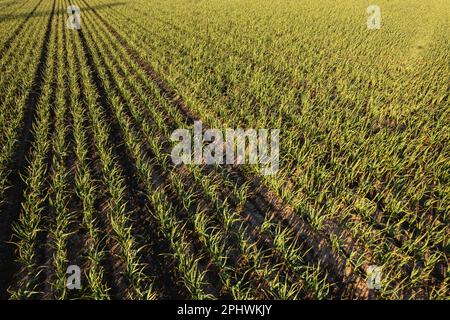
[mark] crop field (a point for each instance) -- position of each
(88, 185)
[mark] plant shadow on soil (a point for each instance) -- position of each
(24, 15)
